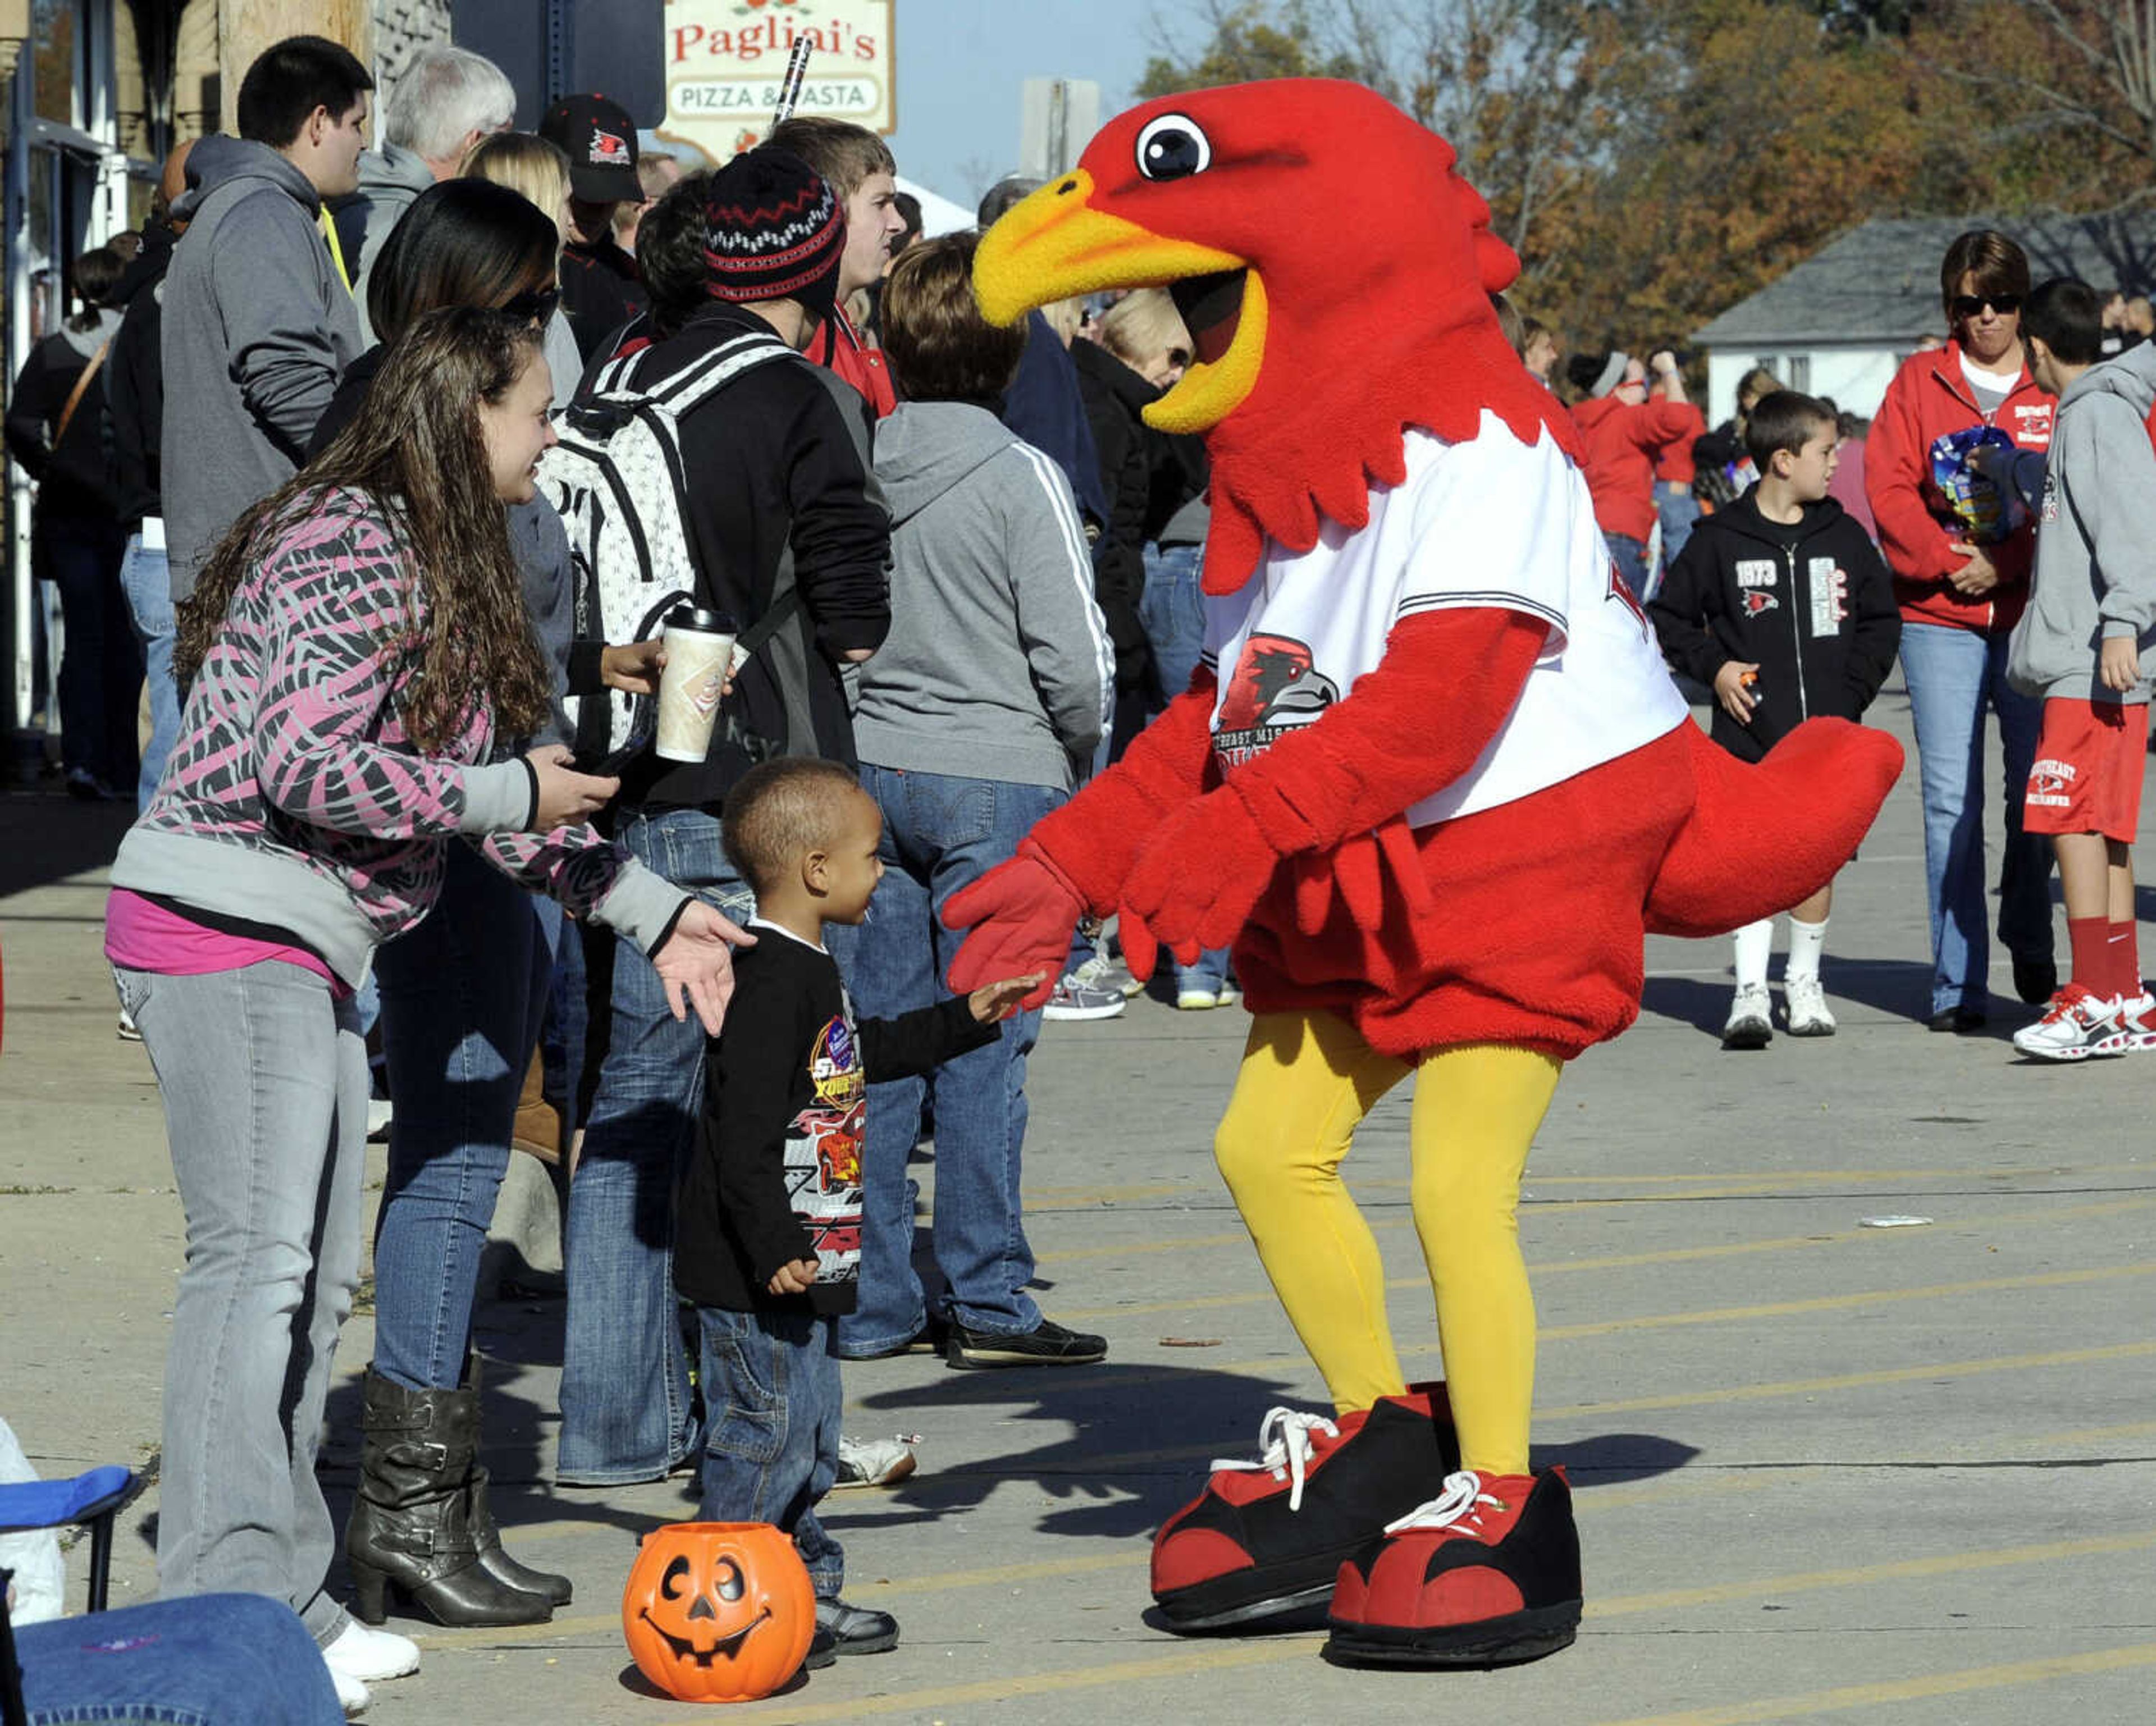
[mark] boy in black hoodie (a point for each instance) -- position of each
(768, 1241)
(1782, 605)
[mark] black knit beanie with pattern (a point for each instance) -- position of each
(773, 229)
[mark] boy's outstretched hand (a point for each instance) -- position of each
(793, 1278)
(993, 1002)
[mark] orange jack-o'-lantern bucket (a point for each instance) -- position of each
(718, 1611)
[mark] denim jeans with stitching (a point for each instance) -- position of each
(462, 993)
(145, 576)
(206, 1661)
(625, 1403)
(941, 831)
(1954, 675)
(263, 1075)
(771, 1435)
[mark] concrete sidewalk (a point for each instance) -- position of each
(1824, 1469)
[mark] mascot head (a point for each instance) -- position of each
(1335, 271)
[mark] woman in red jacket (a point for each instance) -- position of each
(1961, 575)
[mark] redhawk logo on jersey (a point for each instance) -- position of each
(609, 150)
(1757, 600)
(2051, 785)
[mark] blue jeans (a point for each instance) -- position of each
(625, 1409)
(1953, 676)
(1173, 614)
(1631, 557)
(771, 1433)
(145, 576)
(200, 1662)
(462, 995)
(101, 663)
(263, 1075)
(941, 832)
(1678, 510)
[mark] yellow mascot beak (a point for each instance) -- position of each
(1055, 243)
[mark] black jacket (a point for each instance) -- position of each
(136, 372)
(1045, 407)
(600, 291)
(1148, 476)
(1811, 603)
(776, 1174)
(780, 493)
(74, 478)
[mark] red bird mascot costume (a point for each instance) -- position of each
(1434, 786)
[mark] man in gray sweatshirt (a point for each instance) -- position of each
(2079, 645)
(258, 326)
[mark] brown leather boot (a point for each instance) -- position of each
(538, 1130)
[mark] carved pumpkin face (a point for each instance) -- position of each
(718, 1611)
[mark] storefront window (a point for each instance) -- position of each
(52, 26)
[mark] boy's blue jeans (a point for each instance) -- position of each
(770, 1428)
(940, 831)
(625, 1409)
(1953, 675)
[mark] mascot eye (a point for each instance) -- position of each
(1173, 148)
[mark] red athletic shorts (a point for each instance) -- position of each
(2090, 759)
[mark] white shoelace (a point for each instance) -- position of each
(1284, 1447)
(1460, 1502)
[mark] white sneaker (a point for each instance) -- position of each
(351, 1694)
(874, 1462)
(1805, 1002)
(1196, 1000)
(1076, 999)
(2076, 1026)
(1109, 975)
(1750, 1025)
(371, 1656)
(2136, 1018)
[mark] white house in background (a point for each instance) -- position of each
(1840, 323)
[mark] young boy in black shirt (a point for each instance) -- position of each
(1782, 605)
(768, 1237)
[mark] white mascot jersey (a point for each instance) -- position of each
(1488, 523)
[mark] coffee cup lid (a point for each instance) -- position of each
(695, 617)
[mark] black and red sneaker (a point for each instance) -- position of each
(1487, 1574)
(1266, 1539)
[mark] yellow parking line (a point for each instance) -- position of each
(2040, 1670)
(1240, 1237)
(1152, 1670)
(1610, 1262)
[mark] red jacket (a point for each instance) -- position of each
(836, 345)
(1917, 532)
(1622, 440)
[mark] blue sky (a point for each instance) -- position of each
(961, 64)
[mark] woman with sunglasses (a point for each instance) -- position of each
(463, 995)
(1961, 573)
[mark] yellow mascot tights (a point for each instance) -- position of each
(1307, 1080)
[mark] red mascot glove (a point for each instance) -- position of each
(1021, 914)
(1195, 882)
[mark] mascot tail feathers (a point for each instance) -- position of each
(1761, 839)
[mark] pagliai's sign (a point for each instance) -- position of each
(725, 62)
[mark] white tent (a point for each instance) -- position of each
(938, 214)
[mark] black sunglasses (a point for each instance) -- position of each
(1967, 305)
(536, 303)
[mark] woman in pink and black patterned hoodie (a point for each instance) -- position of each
(357, 648)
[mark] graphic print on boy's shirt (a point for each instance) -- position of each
(823, 1155)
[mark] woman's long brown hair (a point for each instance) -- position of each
(416, 447)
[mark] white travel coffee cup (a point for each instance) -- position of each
(700, 651)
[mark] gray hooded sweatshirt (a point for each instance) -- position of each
(998, 665)
(390, 181)
(258, 329)
(2095, 574)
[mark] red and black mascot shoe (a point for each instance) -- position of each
(1487, 1574)
(1266, 1539)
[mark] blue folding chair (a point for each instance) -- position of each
(91, 1500)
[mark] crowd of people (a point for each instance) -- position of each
(384, 782)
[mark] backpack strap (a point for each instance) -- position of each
(75, 395)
